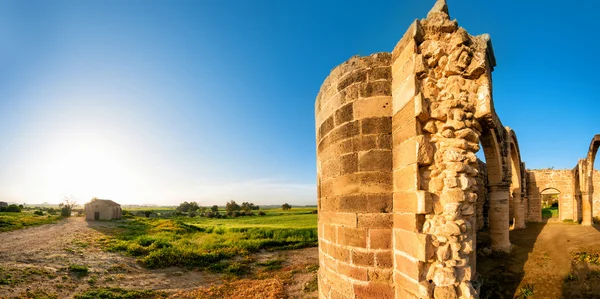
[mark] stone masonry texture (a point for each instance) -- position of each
(401, 192)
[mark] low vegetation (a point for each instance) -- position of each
(204, 242)
(118, 293)
(12, 221)
(550, 212)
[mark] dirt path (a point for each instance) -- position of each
(37, 260)
(543, 261)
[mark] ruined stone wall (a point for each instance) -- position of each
(596, 194)
(482, 209)
(354, 148)
(561, 180)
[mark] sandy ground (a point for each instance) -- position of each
(543, 261)
(38, 259)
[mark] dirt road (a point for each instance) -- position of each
(37, 260)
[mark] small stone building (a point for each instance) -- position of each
(102, 209)
(3, 204)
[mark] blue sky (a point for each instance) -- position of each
(165, 101)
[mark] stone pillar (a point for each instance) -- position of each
(586, 209)
(499, 226)
(519, 212)
(354, 172)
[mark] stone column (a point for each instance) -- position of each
(499, 227)
(586, 209)
(519, 211)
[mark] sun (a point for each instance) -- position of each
(88, 168)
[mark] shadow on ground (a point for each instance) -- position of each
(501, 274)
(584, 279)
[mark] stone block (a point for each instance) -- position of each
(404, 93)
(376, 182)
(375, 220)
(406, 178)
(357, 76)
(375, 160)
(374, 290)
(401, 71)
(413, 244)
(355, 237)
(364, 203)
(375, 88)
(410, 266)
(409, 221)
(384, 259)
(344, 114)
(326, 127)
(410, 286)
(380, 275)
(376, 125)
(414, 33)
(363, 258)
(380, 238)
(348, 163)
(345, 219)
(373, 107)
(339, 253)
(380, 73)
(351, 271)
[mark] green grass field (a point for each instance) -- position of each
(13, 221)
(551, 212)
(203, 242)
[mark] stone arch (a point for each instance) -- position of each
(495, 148)
(516, 187)
(578, 181)
(588, 186)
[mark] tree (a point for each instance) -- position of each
(285, 207)
(215, 209)
(184, 207)
(247, 207)
(11, 208)
(147, 213)
(67, 205)
(232, 207)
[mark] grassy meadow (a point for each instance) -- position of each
(550, 212)
(12, 221)
(205, 242)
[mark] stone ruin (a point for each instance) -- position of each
(401, 193)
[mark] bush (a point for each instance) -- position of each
(286, 207)
(117, 293)
(11, 208)
(39, 213)
(555, 204)
(192, 214)
(65, 211)
(261, 213)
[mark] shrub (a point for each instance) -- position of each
(117, 293)
(39, 213)
(80, 270)
(11, 208)
(286, 207)
(65, 211)
(261, 213)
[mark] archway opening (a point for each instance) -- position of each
(550, 203)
